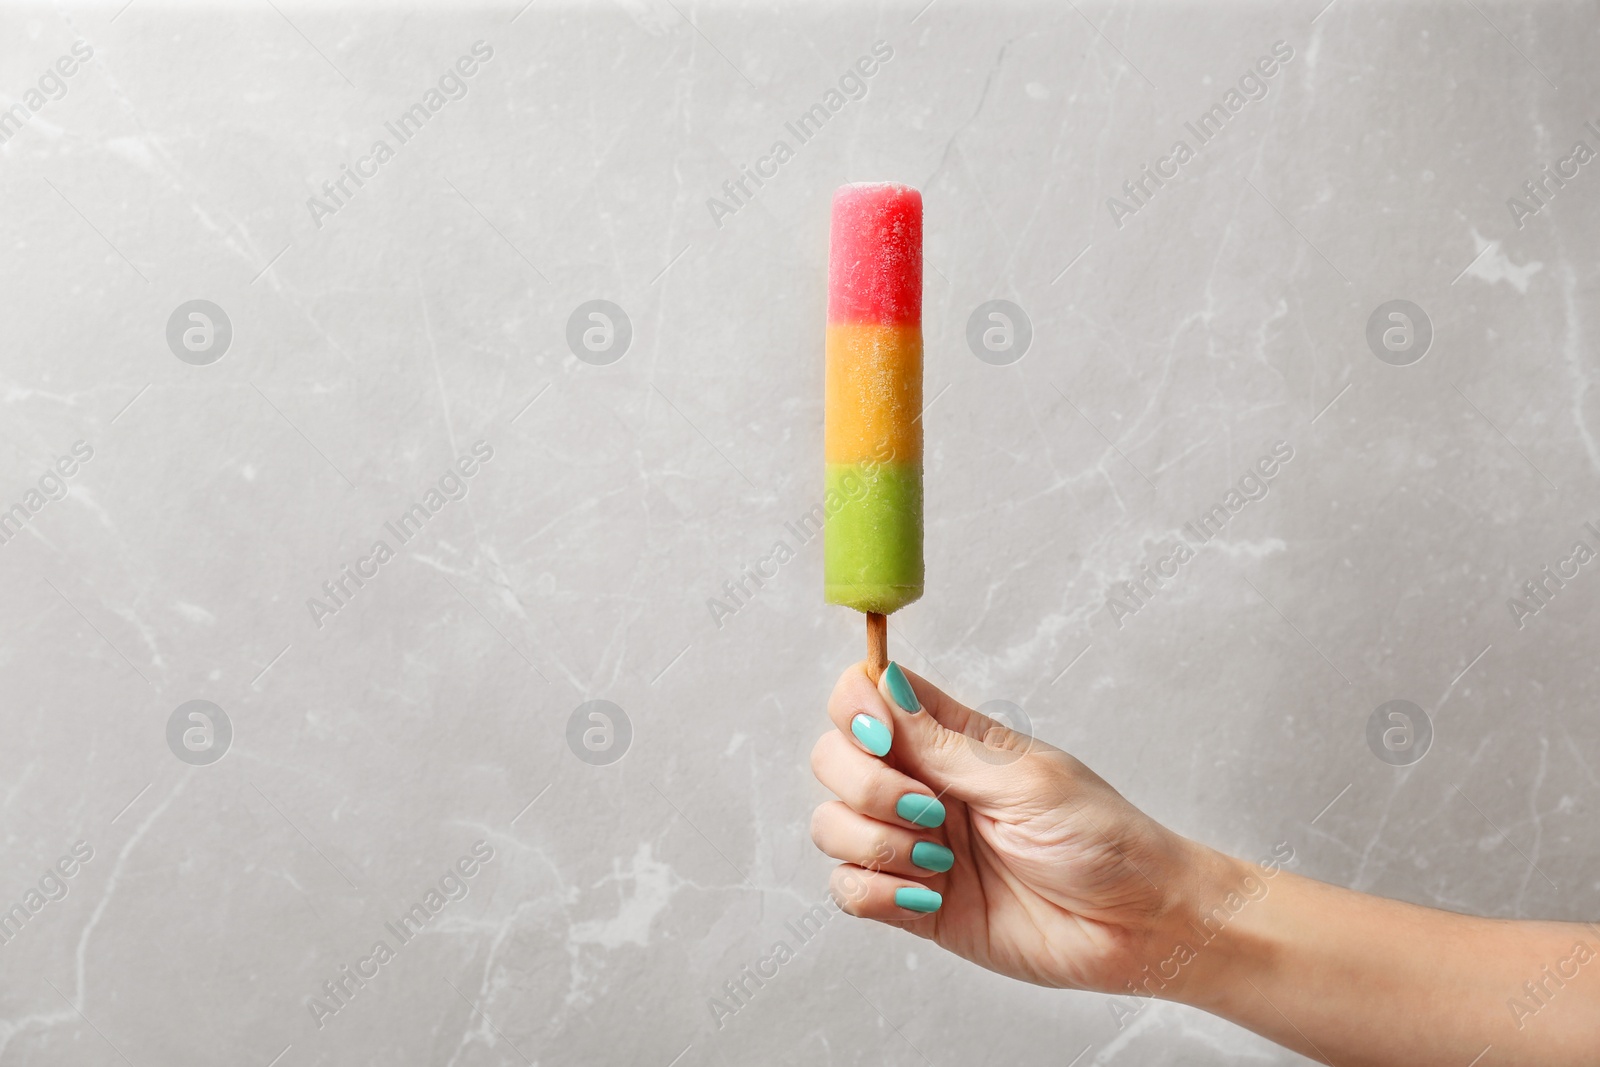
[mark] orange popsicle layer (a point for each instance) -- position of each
(873, 384)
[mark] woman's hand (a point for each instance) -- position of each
(1050, 875)
(1015, 855)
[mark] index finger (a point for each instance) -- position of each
(854, 694)
(859, 711)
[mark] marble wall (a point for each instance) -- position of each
(397, 381)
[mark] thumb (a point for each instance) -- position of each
(952, 748)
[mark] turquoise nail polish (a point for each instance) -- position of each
(932, 857)
(920, 809)
(871, 733)
(916, 898)
(900, 688)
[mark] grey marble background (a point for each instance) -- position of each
(376, 340)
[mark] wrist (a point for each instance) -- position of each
(1210, 939)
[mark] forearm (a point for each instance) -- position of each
(1362, 981)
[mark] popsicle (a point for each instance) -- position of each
(872, 434)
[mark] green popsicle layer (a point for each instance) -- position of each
(872, 535)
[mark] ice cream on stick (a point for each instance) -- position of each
(872, 539)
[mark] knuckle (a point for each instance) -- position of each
(849, 888)
(997, 736)
(1051, 765)
(883, 852)
(879, 793)
(818, 817)
(947, 746)
(837, 891)
(819, 753)
(853, 695)
(840, 699)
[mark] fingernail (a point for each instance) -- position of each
(932, 857)
(871, 733)
(921, 810)
(916, 898)
(899, 687)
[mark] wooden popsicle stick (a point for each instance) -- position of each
(877, 645)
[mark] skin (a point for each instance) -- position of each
(1060, 881)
